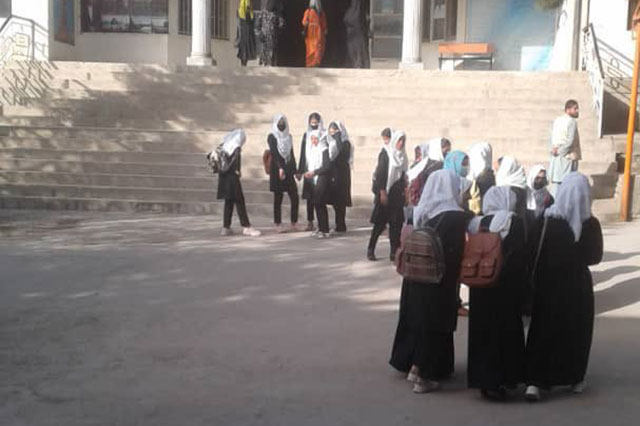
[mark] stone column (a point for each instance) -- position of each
(412, 35)
(200, 34)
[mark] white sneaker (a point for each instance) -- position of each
(322, 235)
(425, 386)
(251, 232)
(532, 394)
(226, 232)
(279, 228)
(413, 375)
(314, 233)
(579, 387)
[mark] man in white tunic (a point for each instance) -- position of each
(565, 145)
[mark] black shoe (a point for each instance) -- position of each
(499, 394)
(371, 255)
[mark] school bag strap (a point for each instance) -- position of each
(540, 243)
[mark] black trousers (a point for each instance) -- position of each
(341, 215)
(323, 217)
(395, 229)
(242, 212)
(310, 216)
(277, 204)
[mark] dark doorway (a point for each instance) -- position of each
(291, 43)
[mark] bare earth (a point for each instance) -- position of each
(111, 319)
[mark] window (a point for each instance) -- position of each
(440, 19)
(219, 18)
(125, 16)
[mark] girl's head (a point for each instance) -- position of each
(314, 120)
(445, 144)
(386, 135)
(400, 143)
(333, 128)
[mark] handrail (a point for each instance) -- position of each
(32, 32)
(592, 63)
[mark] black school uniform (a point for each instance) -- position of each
(307, 188)
(230, 190)
(278, 186)
(341, 183)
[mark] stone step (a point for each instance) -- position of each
(111, 205)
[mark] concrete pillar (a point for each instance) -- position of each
(566, 47)
(412, 35)
(200, 34)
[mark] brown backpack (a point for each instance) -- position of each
(482, 259)
(421, 256)
(266, 161)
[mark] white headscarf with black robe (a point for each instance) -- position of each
(511, 173)
(314, 160)
(334, 151)
(285, 141)
(440, 194)
(233, 140)
(573, 202)
(499, 202)
(320, 129)
(398, 160)
(536, 198)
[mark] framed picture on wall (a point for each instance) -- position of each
(64, 21)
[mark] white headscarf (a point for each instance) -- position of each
(233, 140)
(320, 129)
(573, 202)
(511, 173)
(536, 197)
(435, 149)
(333, 144)
(398, 161)
(285, 142)
(480, 159)
(441, 194)
(499, 202)
(431, 150)
(314, 160)
(317, 4)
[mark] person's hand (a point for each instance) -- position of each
(309, 175)
(281, 174)
(383, 198)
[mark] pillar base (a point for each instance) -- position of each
(411, 65)
(200, 61)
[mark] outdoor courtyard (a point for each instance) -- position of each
(121, 319)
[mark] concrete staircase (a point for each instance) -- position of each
(120, 137)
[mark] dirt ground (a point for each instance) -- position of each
(111, 319)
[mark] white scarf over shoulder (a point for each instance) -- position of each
(314, 161)
(573, 202)
(499, 202)
(536, 197)
(398, 160)
(233, 140)
(511, 173)
(441, 194)
(480, 159)
(431, 150)
(285, 142)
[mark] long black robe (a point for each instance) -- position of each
(303, 167)
(277, 163)
(393, 211)
(496, 350)
(561, 329)
(429, 312)
(357, 29)
(341, 170)
(246, 39)
(229, 187)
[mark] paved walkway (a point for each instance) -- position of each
(139, 320)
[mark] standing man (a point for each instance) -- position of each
(565, 145)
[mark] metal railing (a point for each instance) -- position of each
(22, 39)
(592, 63)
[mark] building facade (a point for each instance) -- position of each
(525, 36)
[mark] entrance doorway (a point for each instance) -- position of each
(292, 49)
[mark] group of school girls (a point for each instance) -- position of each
(326, 159)
(547, 246)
